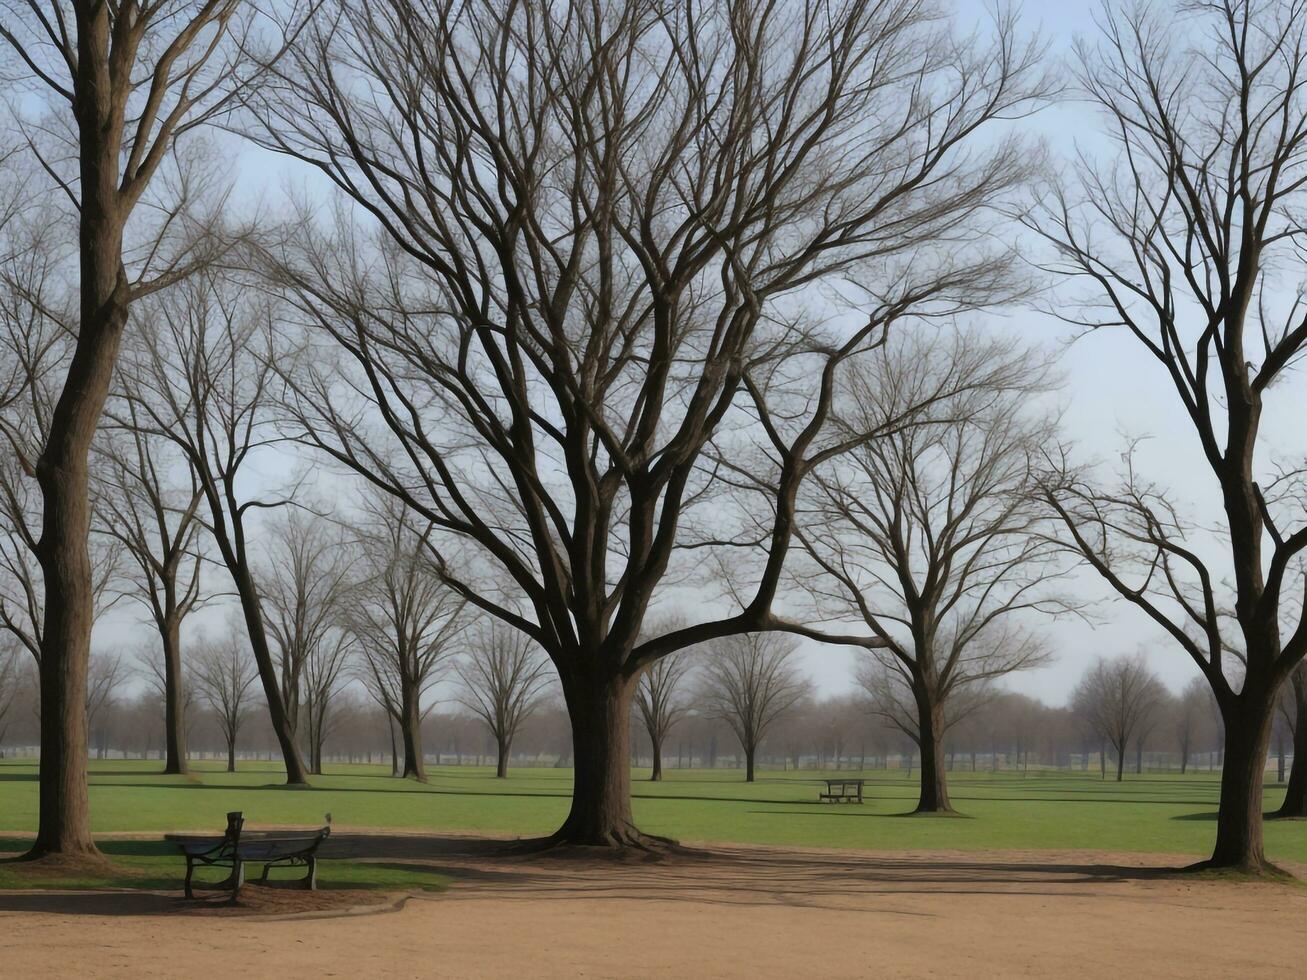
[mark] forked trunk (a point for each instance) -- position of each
(1239, 820)
(599, 707)
(1295, 794)
(934, 783)
(174, 724)
(411, 730)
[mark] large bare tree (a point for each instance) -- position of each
(932, 536)
(750, 681)
(597, 224)
(407, 622)
(154, 516)
(120, 84)
(199, 375)
(503, 679)
(1187, 239)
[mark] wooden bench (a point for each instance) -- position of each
(233, 849)
(843, 791)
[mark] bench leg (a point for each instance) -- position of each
(190, 870)
(311, 879)
(237, 878)
(264, 877)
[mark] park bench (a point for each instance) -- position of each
(843, 791)
(234, 849)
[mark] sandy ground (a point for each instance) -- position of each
(721, 912)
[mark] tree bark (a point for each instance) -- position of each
(174, 722)
(749, 752)
(1120, 762)
(657, 773)
(933, 797)
(231, 754)
(411, 729)
(1239, 820)
(62, 470)
(1295, 794)
(599, 706)
(501, 760)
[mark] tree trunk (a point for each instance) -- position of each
(1295, 794)
(174, 722)
(501, 759)
(231, 754)
(750, 751)
(394, 746)
(1120, 762)
(934, 786)
(62, 473)
(411, 730)
(1239, 820)
(599, 707)
(283, 725)
(657, 773)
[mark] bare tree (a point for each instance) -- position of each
(932, 535)
(1117, 699)
(1191, 718)
(749, 682)
(586, 270)
(224, 673)
(325, 674)
(123, 83)
(503, 678)
(199, 375)
(1181, 237)
(406, 621)
(304, 583)
(663, 701)
(104, 676)
(156, 521)
(9, 681)
(1294, 707)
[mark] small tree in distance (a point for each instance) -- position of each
(749, 682)
(504, 677)
(661, 701)
(1117, 700)
(223, 673)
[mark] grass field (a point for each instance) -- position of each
(1040, 809)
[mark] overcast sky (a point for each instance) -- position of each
(1112, 392)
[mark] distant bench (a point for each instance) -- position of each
(233, 849)
(843, 791)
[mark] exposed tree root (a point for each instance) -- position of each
(1245, 871)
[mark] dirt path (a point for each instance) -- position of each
(733, 912)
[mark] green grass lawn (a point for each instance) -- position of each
(1040, 809)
